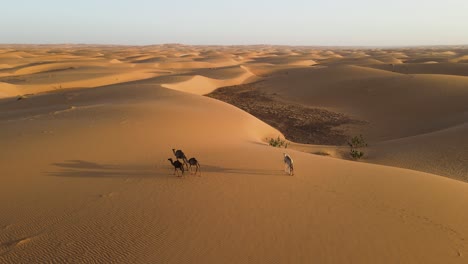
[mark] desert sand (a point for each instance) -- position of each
(86, 132)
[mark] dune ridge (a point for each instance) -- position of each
(201, 85)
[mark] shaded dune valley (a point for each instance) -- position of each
(86, 133)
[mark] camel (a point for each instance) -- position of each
(194, 162)
(179, 154)
(177, 165)
(289, 164)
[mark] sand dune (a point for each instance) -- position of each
(84, 175)
(303, 63)
(428, 67)
(199, 84)
(90, 82)
(462, 59)
(390, 60)
(447, 149)
(423, 101)
(133, 197)
(266, 69)
(192, 65)
(285, 60)
(393, 105)
(49, 67)
(115, 61)
(8, 90)
(16, 55)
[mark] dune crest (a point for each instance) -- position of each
(203, 85)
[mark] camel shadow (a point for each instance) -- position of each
(80, 168)
(216, 169)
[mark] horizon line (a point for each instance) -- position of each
(236, 45)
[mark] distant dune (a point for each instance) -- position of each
(86, 132)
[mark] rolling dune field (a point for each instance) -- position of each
(86, 132)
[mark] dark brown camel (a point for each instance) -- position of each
(194, 162)
(177, 165)
(179, 154)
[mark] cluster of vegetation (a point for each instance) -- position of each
(278, 142)
(298, 123)
(355, 144)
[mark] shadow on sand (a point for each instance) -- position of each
(216, 169)
(81, 168)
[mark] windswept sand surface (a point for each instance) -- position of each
(84, 175)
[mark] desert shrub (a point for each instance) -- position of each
(278, 142)
(355, 144)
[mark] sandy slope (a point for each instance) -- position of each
(397, 108)
(396, 105)
(447, 151)
(102, 190)
(428, 68)
(84, 175)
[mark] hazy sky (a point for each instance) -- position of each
(295, 22)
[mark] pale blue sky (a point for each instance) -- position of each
(293, 22)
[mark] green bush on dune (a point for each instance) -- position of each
(278, 142)
(355, 143)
